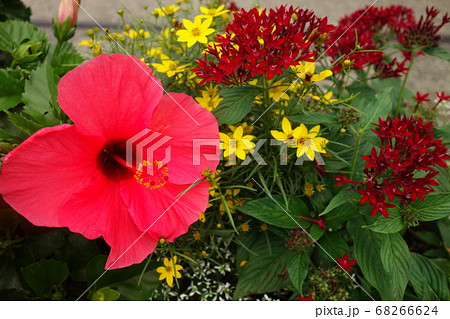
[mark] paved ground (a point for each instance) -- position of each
(428, 75)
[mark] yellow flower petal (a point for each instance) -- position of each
(278, 135)
(286, 126)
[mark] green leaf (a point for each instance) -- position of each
(298, 269)
(379, 107)
(14, 10)
(314, 118)
(384, 225)
(38, 95)
(334, 245)
(267, 271)
(10, 90)
(443, 131)
(444, 229)
(129, 289)
(434, 207)
(438, 52)
(343, 197)
(14, 32)
(22, 123)
(367, 251)
(66, 62)
(396, 261)
(105, 294)
(268, 210)
(429, 282)
(43, 275)
(236, 103)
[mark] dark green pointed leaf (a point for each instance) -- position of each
(27, 126)
(438, 52)
(434, 207)
(298, 269)
(384, 225)
(380, 107)
(65, 62)
(314, 118)
(334, 245)
(343, 197)
(105, 294)
(268, 210)
(429, 282)
(266, 271)
(236, 103)
(43, 275)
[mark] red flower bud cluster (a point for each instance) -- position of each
(262, 42)
(424, 33)
(407, 148)
(299, 240)
(366, 30)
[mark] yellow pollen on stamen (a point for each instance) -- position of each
(158, 177)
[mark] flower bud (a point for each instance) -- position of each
(68, 9)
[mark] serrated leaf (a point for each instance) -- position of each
(14, 10)
(267, 271)
(384, 225)
(434, 207)
(43, 275)
(22, 123)
(10, 90)
(268, 210)
(38, 95)
(14, 32)
(314, 118)
(425, 275)
(298, 269)
(438, 52)
(379, 107)
(66, 62)
(343, 197)
(236, 103)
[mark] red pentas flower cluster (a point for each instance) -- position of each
(407, 147)
(262, 42)
(359, 37)
(424, 33)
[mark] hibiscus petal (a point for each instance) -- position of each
(110, 96)
(40, 175)
(99, 210)
(189, 126)
(160, 211)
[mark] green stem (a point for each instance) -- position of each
(355, 153)
(405, 79)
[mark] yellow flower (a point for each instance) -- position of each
(132, 34)
(325, 99)
(202, 217)
(170, 10)
(208, 102)
(309, 189)
(307, 142)
(211, 90)
(230, 199)
(158, 13)
(211, 13)
(204, 253)
(306, 72)
(243, 263)
(245, 227)
(89, 43)
(195, 31)
(196, 236)
(277, 91)
(238, 143)
(169, 67)
(320, 187)
(169, 270)
(264, 227)
(247, 128)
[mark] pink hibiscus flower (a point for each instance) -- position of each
(76, 176)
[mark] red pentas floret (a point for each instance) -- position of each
(359, 37)
(407, 147)
(262, 42)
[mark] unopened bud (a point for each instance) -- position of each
(68, 9)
